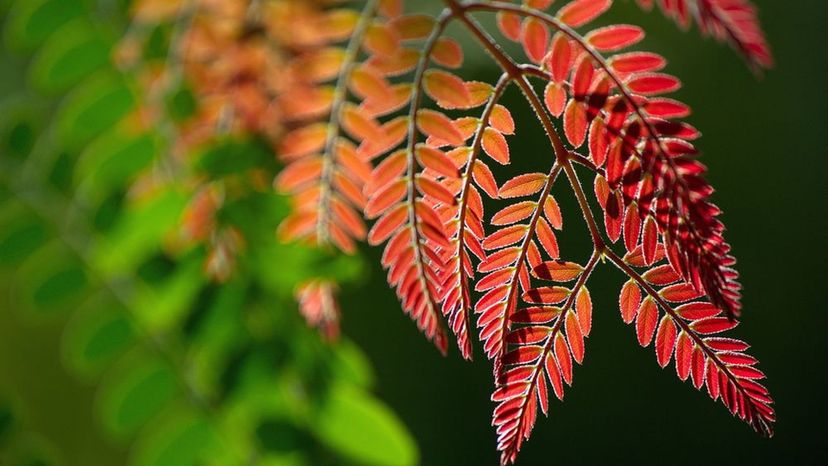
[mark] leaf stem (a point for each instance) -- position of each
(477, 143)
(416, 101)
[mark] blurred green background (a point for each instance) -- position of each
(764, 144)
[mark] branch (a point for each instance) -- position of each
(340, 97)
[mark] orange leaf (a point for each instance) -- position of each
(484, 178)
(583, 306)
(501, 120)
(554, 97)
(412, 27)
(558, 271)
(436, 160)
(436, 124)
(509, 25)
(447, 52)
(523, 185)
(381, 39)
(446, 89)
(514, 213)
(494, 143)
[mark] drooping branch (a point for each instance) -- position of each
(702, 259)
(340, 97)
(527, 387)
(463, 305)
(752, 401)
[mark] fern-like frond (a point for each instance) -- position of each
(317, 303)
(602, 107)
(650, 170)
(325, 169)
(734, 21)
(548, 337)
(688, 328)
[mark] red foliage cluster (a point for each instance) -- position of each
(376, 119)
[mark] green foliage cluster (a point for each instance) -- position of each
(187, 371)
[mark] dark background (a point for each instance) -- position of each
(764, 142)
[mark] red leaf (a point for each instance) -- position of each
(583, 306)
(446, 89)
(435, 190)
(558, 271)
(560, 58)
(665, 341)
(612, 38)
(509, 24)
(385, 199)
(713, 325)
(661, 275)
(505, 237)
(645, 323)
(575, 123)
(552, 212)
(535, 39)
(632, 227)
(554, 97)
(637, 62)
(698, 367)
(654, 84)
(679, 293)
(554, 374)
(598, 144)
(696, 311)
(579, 12)
(447, 52)
(574, 336)
(650, 240)
(684, 350)
(546, 295)
(388, 224)
(629, 301)
(564, 359)
(436, 160)
(536, 315)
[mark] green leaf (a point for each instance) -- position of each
(94, 106)
(32, 21)
(131, 396)
(96, 335)
(181, 439)
(231, 157)
(112, 160)
(139, 233)
(72, 53)
(21, 236)
(59, 286)
(351, 364)
(166, 304)
(364, 430)
(52, 281)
